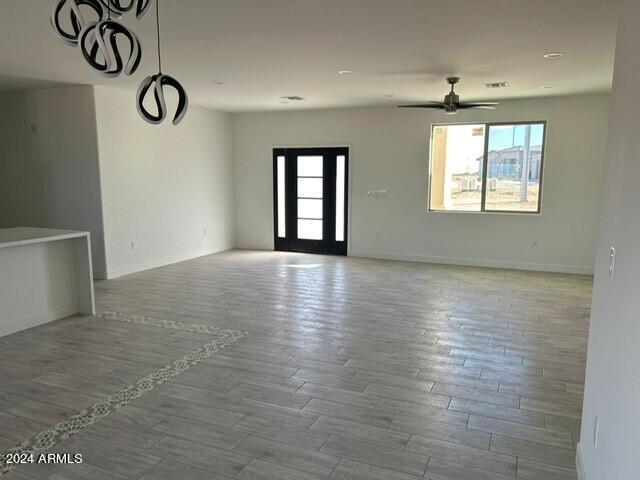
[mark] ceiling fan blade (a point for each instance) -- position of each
(435, 105)
(481, 103)
(479, 106)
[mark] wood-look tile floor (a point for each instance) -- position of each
(352, 369)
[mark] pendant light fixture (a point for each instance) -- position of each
(124, 6)
(99, 46)
(119, 6)
(76, 19)
(158, 82)
(143, 7)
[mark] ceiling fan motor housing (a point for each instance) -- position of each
(451, 102)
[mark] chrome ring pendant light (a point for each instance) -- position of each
(158, 82)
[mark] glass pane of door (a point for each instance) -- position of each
(282, 212)
(310, 197)
(310, 166)
(310, 187)
(309, 229)
(310, 208)
(340, 189)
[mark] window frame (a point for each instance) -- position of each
(485, 162)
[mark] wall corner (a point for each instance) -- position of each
(582, 475)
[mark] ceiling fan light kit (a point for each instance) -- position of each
(88, 24)
(451, 104)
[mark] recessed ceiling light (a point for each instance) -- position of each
(217, 82)
(345, 72)
(553, 55)
(547, 87)
(389, 95)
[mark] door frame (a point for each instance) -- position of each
(281, 244)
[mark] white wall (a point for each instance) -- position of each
(163, 186)
(49, 173)
(71, 156)
(390, 150)
(612, 389)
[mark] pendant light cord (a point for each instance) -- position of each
(158, 30)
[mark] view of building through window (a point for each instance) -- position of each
(514, 167)
(511, 154)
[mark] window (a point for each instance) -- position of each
(487, 167)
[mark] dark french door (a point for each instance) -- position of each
(310, 189)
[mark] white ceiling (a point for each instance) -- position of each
(265, 49)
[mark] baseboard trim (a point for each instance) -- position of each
(579, 463)
(99, 275)
(37, 319)
(157, 263)
(536, 267)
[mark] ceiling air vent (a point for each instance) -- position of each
(496, 85)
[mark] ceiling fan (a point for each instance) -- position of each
(452, 103)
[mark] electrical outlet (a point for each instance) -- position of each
(377, 193)
(612, 261)
(596, 431)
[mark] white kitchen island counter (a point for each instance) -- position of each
(45, 275)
